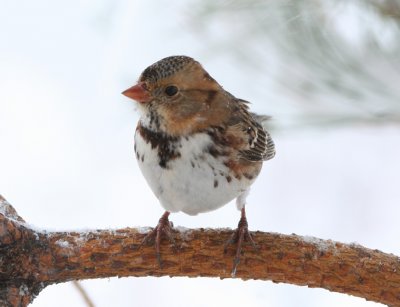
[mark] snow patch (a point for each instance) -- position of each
(7, 210)
(23, 290)
(143, 230)
(3, 206)
(186, 233)
(356, 245)
(182, 229)
(322, 245)
(62, 243)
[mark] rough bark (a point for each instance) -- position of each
(32, 259)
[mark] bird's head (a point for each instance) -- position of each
(177, 96)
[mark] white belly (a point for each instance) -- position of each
(193, 183)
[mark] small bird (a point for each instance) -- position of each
(197, 145)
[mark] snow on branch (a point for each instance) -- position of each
(32, 259)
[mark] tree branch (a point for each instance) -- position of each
(31, 259)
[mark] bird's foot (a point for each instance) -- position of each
(163, 228)
(240, 235)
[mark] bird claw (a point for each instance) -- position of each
(163, 228)
(240, 235)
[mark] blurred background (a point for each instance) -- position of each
(328, 72)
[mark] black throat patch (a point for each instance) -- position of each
(165, 145)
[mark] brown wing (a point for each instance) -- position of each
(258, 145)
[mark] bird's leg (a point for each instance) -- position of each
(241, 234)
(164, 227)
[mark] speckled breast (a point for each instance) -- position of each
(185, 173)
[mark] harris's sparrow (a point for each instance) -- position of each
(197, 145)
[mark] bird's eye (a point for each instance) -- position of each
(171, 90)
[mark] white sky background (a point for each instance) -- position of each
(67, 161)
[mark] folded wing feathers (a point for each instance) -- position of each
(261, 145)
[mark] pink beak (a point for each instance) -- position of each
(138, 92)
